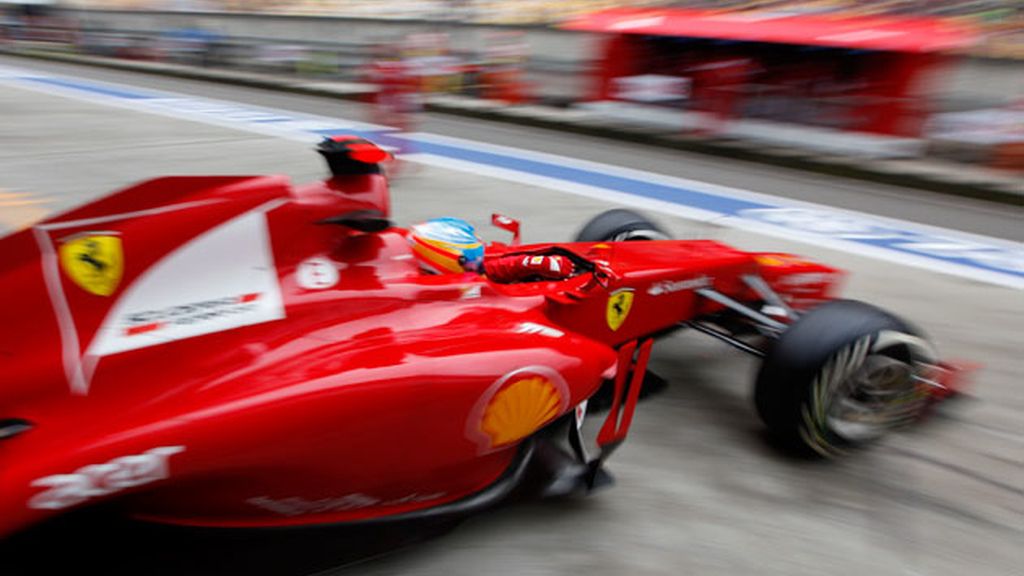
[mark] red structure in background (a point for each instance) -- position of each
(864, 74)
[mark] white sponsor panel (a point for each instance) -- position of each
(672, 286)
(221, 280)
(808, 279)
(96, 480)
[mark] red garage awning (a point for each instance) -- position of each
(893, 34)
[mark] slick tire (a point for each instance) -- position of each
(620, 225)
(842, 376)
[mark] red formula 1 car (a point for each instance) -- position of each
(238, 352)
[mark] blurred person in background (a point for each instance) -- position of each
(718, 87)
(428, 57)
(502, 70)
(396, 97)
(36, 21)
(7, 24)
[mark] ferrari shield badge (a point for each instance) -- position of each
(95, 262)
(619, 304)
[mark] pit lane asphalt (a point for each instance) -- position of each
(964, 214)
(699, 489)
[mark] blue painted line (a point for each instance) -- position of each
(633, 186)
(92, 88)
(910, 238)
(894, 238)
(348, 132)
(903, 240)
(674, 194)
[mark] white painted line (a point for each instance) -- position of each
(697, 185)
(721, 220)
(941, 250)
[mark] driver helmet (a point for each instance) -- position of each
(444, 245)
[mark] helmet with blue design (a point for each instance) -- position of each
(444, 245)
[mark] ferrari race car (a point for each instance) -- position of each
(238, 352)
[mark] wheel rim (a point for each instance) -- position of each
(866, 389)
(637, 235)
(882, 394)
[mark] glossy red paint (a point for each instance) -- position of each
(255, 366)
(620, 416)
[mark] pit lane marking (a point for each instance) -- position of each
(941, 250)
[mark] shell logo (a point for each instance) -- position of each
(519, 410)
(517, 405)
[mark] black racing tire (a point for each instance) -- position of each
(620, 224)
(841, 377)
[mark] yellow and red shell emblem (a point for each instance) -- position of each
(520, 410)
(519, 404)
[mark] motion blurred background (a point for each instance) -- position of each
(907, 97)
(937, 79)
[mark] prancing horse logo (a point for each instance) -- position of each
(619, 304)
(95, 262)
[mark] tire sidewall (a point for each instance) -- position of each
(612, 224)
(785, 381)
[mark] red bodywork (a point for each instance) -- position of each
(255, 366)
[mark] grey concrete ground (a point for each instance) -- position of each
(910, 204)
(784, 149)
(699, 489)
